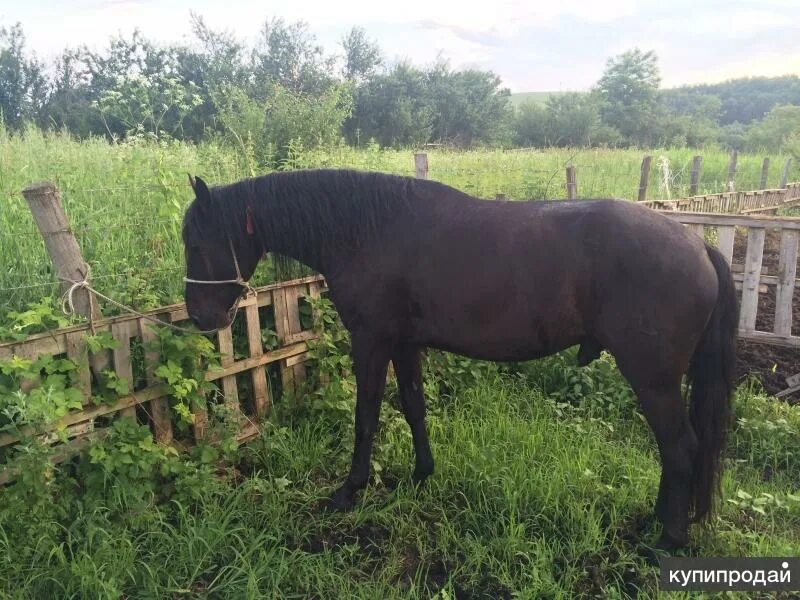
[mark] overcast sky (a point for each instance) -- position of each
(533, 45)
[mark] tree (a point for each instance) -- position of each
(154, 104)
(392, 109)
(741, 100)
(266, 131)
(70, 102)
(572, 119)
(468, 106)
(531, 124)
(138, 88)
(628, 93)
(780, 125)
(289, 55)
(22, 85)
(362, 56)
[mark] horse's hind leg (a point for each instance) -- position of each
(409, 381)
(665, 411)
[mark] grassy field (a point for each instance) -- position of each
(126, 201)
(542, 490)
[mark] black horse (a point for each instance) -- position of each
(412, 264)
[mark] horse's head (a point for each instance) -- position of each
(222, 252)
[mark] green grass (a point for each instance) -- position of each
(532, 498)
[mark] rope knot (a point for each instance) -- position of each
(68, 299)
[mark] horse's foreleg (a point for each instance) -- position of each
(370, 361)
(409, 381)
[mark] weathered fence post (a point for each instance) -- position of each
(62, 247)
(697, 165)
(572, 183)
(421, 165)
(764, 173)
(732, 170)
(785, 175)
(644, 180)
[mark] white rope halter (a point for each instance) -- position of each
(68, 302)
(246, 287)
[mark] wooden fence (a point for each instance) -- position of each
(150, 403)
(753, 202)
(773, 237)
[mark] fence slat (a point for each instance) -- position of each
(78, 352)
(261, 397)
(293, 318)
(727, 234)
(785, 174)
(572, 183)
(752, 274)
(159, 407)
(421, 165)
(225, 347)
(764, 173)
(787, 270)
(282, 329)
(122, 360)
(697, 165)
(697, 229)
(644, 178)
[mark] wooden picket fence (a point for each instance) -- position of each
(751, 276)
(752, 202)
(151, 403)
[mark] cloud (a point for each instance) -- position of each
(532, 45)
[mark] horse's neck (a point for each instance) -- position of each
(298, 229)
(319, 225)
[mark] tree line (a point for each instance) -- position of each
(286, 92)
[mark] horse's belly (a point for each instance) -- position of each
(506, 339)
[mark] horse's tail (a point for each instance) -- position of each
(711, 375)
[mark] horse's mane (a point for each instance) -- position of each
(310, 208)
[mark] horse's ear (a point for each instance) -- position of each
(201, 191)
(192, 183)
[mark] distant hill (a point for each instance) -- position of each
(741, 100)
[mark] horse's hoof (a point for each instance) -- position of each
(419, 479)
(342, 500)
(667, 543)
(652, 556)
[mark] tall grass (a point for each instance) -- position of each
(539, 174)
(124, 202)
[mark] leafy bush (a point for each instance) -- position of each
(284, 124)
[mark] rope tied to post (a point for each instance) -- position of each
(68, 303)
